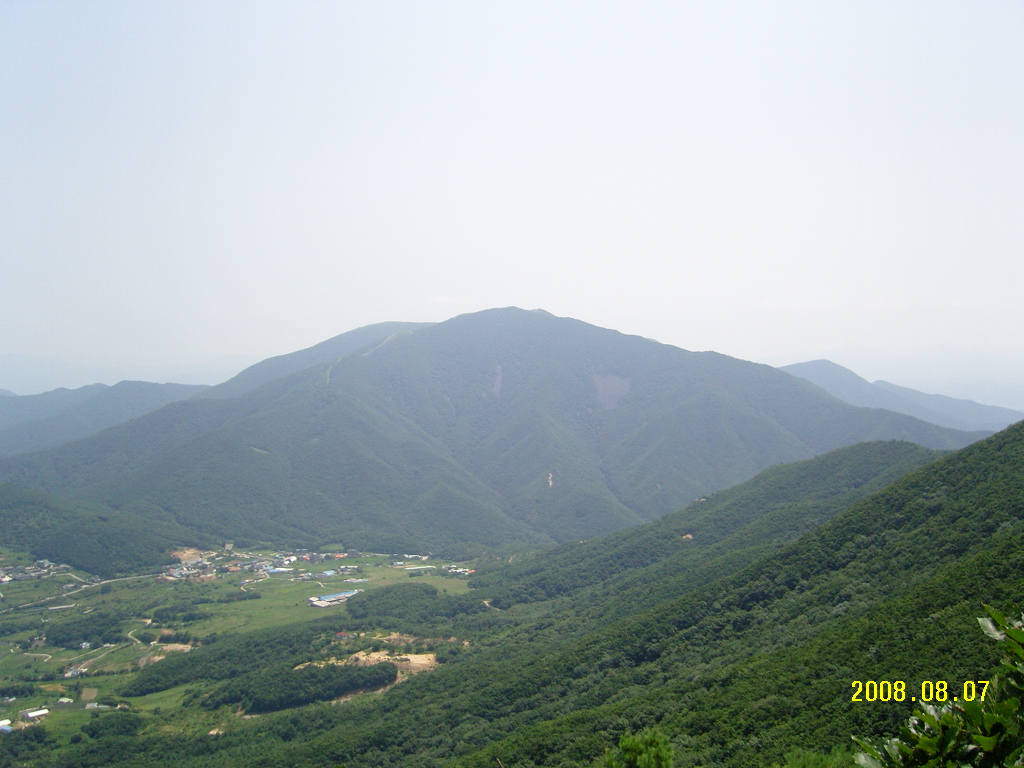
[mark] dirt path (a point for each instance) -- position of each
(75, 591)
(85, 664)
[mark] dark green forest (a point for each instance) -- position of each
(502, 430)
(672, 551)
(87, 535)
(735, 627)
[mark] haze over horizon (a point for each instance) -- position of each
(776, 182)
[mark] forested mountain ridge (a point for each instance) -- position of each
(92, 537)
(737, 670)
(35, 422)
(326, 351)
(936, 409)
(708, 538)
(740, 670)
(492, 428)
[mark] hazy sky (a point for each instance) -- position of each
(778, 181)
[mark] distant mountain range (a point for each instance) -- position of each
(36, 422)
(33, 374)
(500, 428)
(937, 409)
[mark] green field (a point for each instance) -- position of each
(32, 609)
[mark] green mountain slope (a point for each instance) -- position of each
(36, 422)
(91, 537)
(740, 670)
(502, 427)
(325, 352)
(709, 538)
(737, 670)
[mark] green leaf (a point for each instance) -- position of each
(987, 743)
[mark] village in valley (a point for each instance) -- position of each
(71, 636)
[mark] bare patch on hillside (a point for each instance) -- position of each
(176, 647)
(610, 389)
(407, 663)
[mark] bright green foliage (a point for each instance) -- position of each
(647, 749)
(89, 536)
(980, 733)
(805, 758)
(279, 686)
(742, 655)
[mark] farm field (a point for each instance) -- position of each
(69, 636)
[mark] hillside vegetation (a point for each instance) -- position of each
(34, 422)
(740, 643)
(502, 429)
(737, 670)
(91, 537)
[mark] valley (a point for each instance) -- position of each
(581, 535)
(511, 385)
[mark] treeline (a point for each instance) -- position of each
(755, 518)
(234, 597)
(17, 689)
(235, 656)
(91, 537)
(180, 612)
(280, 686)
(415, 608)
(98, 628)
(738, 671)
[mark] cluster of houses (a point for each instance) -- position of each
(454, 569)
(284, 563)
(33, 716)
(197, 568)
(201, 568)
(38, 570)
(406, 558)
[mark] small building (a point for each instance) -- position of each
(35, 715)
(326, 601)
